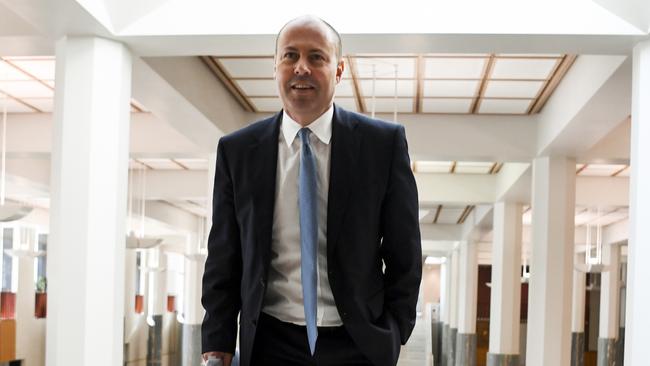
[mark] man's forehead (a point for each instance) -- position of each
(298, 27)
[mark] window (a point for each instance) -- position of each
(139, 283)
(7, 296)
(40, 306)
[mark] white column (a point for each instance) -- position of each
(453, 289)
(578, 298)
(88, 203)
(609, 292)
(193, 312)
(444, 292)
(549, 304)
(637, 320)
(157, 282)
(30, 331)
(130, 317)
(467, 286)
(505, 298)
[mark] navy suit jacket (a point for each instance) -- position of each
(372, 220)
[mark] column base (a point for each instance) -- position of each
(154, 342)
(500, 359)
(606, 351)
(465, 349)
(451, 347)
(191, 344)
(620, 347)
(444, 345)
(436, 341)
(577, 349)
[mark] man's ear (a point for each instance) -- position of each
(339, 70)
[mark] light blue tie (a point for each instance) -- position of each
(308, 204)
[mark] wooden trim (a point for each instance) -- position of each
(487, 71)
(459, 56)
(493, 168)
(505, 56)
(9, 96)
(620, 171)
(220, 72)
(438, 210)
(27, 73)
(581, 169)
(419, 87)
(465, 213)
(361, 102)
(452, 170)
(413, 56)
(432, 56)
(143, 164)
(498, 168)
(558, 75)
(183, 166)
(243, 57)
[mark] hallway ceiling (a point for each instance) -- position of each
(424, 84)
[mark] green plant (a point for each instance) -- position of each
(41, 284)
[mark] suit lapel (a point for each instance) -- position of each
(343, 162)
(263, 159)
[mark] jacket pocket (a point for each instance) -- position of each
(376, 304)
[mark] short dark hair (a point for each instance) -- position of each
(337, 37)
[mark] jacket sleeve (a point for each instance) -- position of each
(223, 267)
(401, 247)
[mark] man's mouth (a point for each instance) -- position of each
(301, 87)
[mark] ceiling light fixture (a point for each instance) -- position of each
(593, 246)
(138, 240)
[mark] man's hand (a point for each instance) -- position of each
(226, 357)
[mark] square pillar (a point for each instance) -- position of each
(88, 203)
(578, 313)
(637, 319)
(467, 297)
(453, 309)
(549, 304)
(505, 298)
(610, 285)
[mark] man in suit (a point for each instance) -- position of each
(315, 242)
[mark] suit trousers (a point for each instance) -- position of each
(278, 343)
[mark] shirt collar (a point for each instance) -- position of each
(321, 127)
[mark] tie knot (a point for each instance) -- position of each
(304, 134)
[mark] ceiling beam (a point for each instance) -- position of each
(594, 98)
(30, 135)
(251, 45)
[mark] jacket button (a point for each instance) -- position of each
(262, 282)
(254, 322)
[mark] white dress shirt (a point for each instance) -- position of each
(283, 298)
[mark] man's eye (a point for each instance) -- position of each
(317, 57)
(290, 55)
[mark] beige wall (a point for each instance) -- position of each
(431, 283)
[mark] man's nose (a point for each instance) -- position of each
(301, 67)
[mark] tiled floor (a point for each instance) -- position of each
(414, 353)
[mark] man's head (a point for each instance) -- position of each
(308, 65)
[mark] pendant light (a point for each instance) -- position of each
(593, 246)
(138, 240)
(8, 211)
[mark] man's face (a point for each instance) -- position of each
(306, 69)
